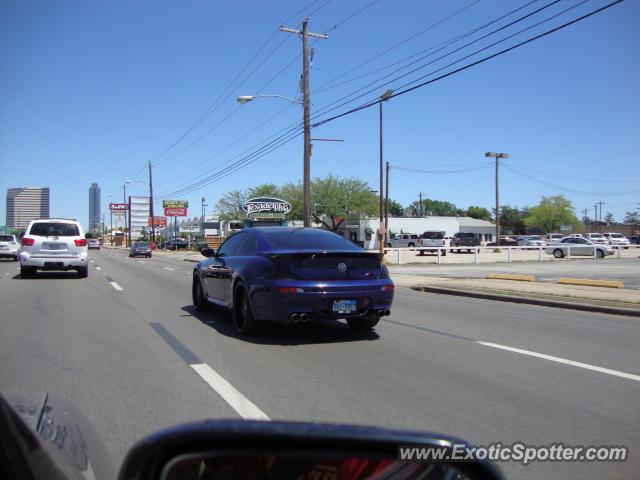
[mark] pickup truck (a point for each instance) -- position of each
(465, 241)
(433, 240)
(403, 240)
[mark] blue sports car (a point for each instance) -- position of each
(291, 275)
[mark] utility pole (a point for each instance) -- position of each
(381, 230)
(306, 177)
(584, 215)
(153, 219)
(600, 203)
(497, 156)
(204, 204)
(420, 205)
(386, 201)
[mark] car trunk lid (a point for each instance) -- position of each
(331, 265)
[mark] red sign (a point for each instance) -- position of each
(118, 207)
(175, 212)
(159, 221)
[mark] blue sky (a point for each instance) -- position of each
(90, 91)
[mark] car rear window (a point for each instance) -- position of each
(433, 235)
(54, 229)
(6, 238)
(309, 239)
(467, 235)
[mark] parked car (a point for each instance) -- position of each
(53, 244)
(140, 249)
(93, 243)
(617, 239)
(403, 240)
(577, 246)
(432, 239)
(177, 244)
(533, 241)
(596, 237)
(9, 247)
(554, 237)
(634, 239)
(465, 240)
(290, 275)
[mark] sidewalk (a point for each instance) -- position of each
(541, 293)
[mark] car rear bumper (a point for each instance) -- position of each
(317, 299)
(53, 262)
(9, 253)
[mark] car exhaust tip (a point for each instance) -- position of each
(294, 317)
(303, 317)
(387, 312)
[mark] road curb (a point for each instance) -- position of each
(530, 300)
(587, 282)
(190, 260)
(509, 276)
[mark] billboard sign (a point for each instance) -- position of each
(159, 221)
(175, 204)
(266, 207)
(189, 229)
(175, 212)
(118, 207)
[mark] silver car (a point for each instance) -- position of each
(9, 247)
(532, 241)
(578, 246)
(617, 239)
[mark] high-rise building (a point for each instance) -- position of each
(94, 206)
(27, 203)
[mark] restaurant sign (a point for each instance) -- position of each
(175, 204)
(266, 208)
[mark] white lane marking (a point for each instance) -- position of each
(116, 286)
(141, 261)
(241, 404)
(167, 268)
(587, 366)
(98, 268)
(91, 261)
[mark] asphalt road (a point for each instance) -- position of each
(122, 345)
(626, 270)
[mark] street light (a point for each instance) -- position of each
(242, 99)
(497, 156)
(382, 233)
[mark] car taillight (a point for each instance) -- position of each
(388, 288)
(81, 242)
(28, 242)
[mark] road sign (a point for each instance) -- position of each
(175, 212)
(189, 229)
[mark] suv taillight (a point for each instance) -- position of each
(28, 242)
(81, 242)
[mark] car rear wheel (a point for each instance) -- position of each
(83, 272)
(363, 323)
(411, 245)
(558, 253)
(197, 295)
(243, 318)
(27, 272)
(599, 254)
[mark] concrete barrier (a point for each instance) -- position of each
(587, 282)
(508, 276)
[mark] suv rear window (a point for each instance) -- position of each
(433, 235)
(54, 229)
(6, 238)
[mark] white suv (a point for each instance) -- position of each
(53, 244)
(617, 239)
(9, 246)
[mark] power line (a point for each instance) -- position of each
(439, 172)
(355, 14)
(581, 179)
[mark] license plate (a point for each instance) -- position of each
(4, 247)
(53, 246)
(344, 306)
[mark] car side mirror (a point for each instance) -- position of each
(292, 450)
(208, 252)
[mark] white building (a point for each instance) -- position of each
(364, 231)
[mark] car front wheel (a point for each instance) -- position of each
(558, 253)
(197, 295)
(599, 254)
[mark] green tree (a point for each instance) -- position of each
(632, 218)
(437, 208)
(395, 208)
(292, 193)
(551, 213)
(608, 218)
(229, 207)
(264, 190)
(334, 199)
(480, 213)
(512, 219)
